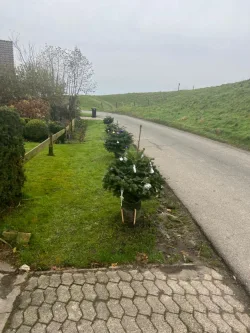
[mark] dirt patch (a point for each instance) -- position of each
(7, 254)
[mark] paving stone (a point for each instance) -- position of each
(223, 287)
(78, 278)
(138, 288)
(175, 323)
(216, 275)
(244, 318)
(159, 274)
(234, 323)
(206, 323)
(142, 306)
(25, 299)
(30, 315)
(74, 311)
(211, 287)
(114, 326)
(54, 327)
(207, 277)
(43, 281)
(17, 319)
(145, 324)
(69, 327)
(39, 328)
(114, 291)
(148, 275)
(235, 303)
(125, 276)
(67, 279)
(88, 292)
(59, 312)
(115, 308)
(200, 287)
(136, 275)
(88, 310)
(102, 310)
(101, 291)
(162, 285)
(151, 287)
(113, 276)
(129, 324)
(222, 303)
(45, 313)
(37, 297)
(63, 293)
(90, 277)
(76, 292)
(197, 305)
(84, 326)
(190, 322)
(102, 277)
(211, 306)
(126, 290)
(160, 323)
(155, 304)
(55, 280)
(99, 326)
(187, 287)
(32, 283)
(219, 322)
(175, 287)
(169, 304)
(183, 303)
(128, 306)
(50, 295)
(23, 329)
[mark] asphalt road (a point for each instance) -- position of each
(212, 179)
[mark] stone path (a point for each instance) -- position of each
(129, 300)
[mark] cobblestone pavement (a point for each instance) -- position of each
(129, 300)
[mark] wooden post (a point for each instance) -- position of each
(134, 216)
(51, 152)
(138, 146)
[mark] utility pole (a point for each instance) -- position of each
(179, 86)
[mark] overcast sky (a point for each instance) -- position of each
(141, 45)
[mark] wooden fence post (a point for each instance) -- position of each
(51, 152)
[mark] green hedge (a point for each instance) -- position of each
(36, 130)
(11, 157)
(55, 127)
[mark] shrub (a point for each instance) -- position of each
(118, 141)
(36, 130)
(33, 108)
(135, 175)
(80, 129)
(108, 120)
(11, 157)
(55, 127)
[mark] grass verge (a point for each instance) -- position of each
(73, 221)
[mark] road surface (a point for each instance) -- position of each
(212, 179)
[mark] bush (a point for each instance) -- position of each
(108, 120)
(135, 175)
(118, 141)
(33, 108)
(36, 130)
(110, 128)
(55, 127)
(80, 129)
(11, 157)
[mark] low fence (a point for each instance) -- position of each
(48, 143)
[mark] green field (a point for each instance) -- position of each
(73, 220)
(221, 113)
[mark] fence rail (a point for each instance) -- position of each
(33, 152)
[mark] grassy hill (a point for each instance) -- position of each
(221, 113)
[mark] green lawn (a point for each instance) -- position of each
(30, 145)
(221, 113)
(73, 221)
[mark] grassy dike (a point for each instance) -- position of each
(221, 113)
